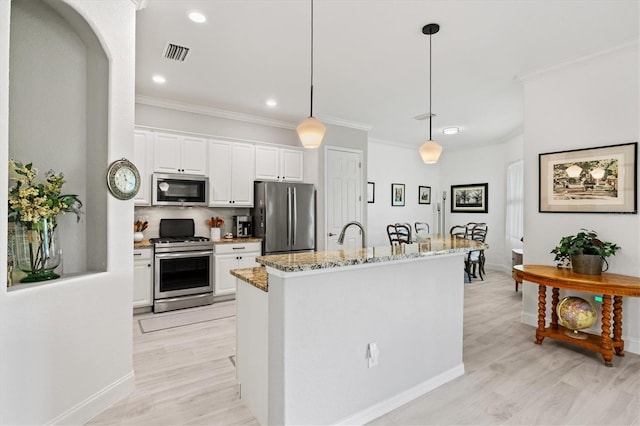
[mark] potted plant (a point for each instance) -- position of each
(585, 252)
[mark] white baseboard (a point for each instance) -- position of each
(388, 405)
(96, 403)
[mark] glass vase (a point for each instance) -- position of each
(36, 250)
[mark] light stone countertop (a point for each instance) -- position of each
(434, 246)
(257, 277)
(142, 244)
(237, 240)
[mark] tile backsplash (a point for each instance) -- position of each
(198, 214)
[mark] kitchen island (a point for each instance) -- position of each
(344, 337)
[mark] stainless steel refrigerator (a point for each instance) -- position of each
(284, 216)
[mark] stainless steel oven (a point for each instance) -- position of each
(183, 267)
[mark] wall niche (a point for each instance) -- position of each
(58, 100)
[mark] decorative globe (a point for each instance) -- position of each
(576, 314)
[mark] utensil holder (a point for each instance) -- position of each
(215, 234)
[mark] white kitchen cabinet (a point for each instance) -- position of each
(142, 278)
(142, 158)
(282, 164)
(231, 174)
(227, 256)
(179, 154)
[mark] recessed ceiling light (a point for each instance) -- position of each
(197, 17)
(158, 79)
(271, 103)
(450, 130)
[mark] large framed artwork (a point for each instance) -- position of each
(471, 198)
(592, 180)
(397, 194)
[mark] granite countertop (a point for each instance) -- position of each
(257, 277)
(238, 240)
(142, 244)
(148, 244)
(434, 246)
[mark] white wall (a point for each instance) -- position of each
(193, 122)
(389, 163)
(584, 104)
(66, 345)
(487, 164)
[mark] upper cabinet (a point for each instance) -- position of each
(143, 159)
(282, 164)
(231, 174)
(179, 154)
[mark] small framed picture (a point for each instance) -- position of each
(371, 192)
(424, 195)
(472, 198)
(397, 194)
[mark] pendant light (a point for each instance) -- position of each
(311, 131)
(430, 151)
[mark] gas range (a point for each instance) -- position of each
(183, 267)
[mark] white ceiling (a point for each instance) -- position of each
(371, 59)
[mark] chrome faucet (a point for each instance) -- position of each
(344, 230)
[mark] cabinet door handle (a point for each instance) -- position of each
(137, 254)
(238, 248)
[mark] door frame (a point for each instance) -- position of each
(327, 148)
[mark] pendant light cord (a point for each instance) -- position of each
(311, 106)
(430, 114)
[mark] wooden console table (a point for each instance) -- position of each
(608, 285)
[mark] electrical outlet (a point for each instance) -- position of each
(372, 354)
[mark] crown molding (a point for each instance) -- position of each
(248, 118)
(213, 112)
(345, 123)
(633, 44)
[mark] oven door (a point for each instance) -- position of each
(183, 273)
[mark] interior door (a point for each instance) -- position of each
(344, 197)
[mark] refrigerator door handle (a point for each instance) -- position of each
(288, 216)
(295, 217)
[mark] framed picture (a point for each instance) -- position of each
(397, 194)
(472, 198)
(593, 180)
(371, 192)
(424, 195)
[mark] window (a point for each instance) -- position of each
(514, 204)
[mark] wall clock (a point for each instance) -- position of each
(123, 179)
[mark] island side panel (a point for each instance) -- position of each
(320, 325)
(252, 328)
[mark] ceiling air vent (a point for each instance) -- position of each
(175, 52)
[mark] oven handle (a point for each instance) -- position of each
(184, 254)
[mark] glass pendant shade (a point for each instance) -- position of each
(430, 151)
(311, 132)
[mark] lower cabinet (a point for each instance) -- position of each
(142, 278)
(227, 256)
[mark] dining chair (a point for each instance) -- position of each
(458, 231)
(475, 258)
(421, 227)
(399, 233)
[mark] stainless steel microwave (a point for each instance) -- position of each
(179, 190)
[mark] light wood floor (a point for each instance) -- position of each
(185, 376)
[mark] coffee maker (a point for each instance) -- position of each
(242, 226)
